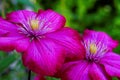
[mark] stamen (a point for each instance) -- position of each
(34, 24)
(93, 48)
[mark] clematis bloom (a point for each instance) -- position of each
(99, 63)
(40, 37)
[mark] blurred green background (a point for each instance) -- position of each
(102, 15)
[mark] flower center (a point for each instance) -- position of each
(34, 24)
(93, 48)
(31, 29)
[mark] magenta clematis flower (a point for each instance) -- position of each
(40, 37)
(100, 63)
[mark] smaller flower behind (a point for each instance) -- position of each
(100, 63)
(41, 38)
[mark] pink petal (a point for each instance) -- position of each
(3, 32)
(111, 56)
(11, 43)
(43, 57)
(70, 40)
(40, 11)
(22, 44)
(100, 37)
(8, 29)
(50, 21)
(39, 77)
(112, 71)
(21, 16)
(77, 70)
(111, 62)
(10, 37)
(82, 70)
(6, 44)
(96, 73)
(0, 17)
(7, 26)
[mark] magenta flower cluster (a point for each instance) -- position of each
(48, 48)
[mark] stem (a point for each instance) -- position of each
(29, 75)
(3, 8)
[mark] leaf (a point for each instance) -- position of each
(52, 78)
(114, 78)
(5, 63)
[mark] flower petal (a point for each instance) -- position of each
(11, 43)
(22, 44)
(70, 40)
(0, 17)
(39, 77)
(40, 11)
(10, 37)
(43, 57)
(21, 16)
(96, 73)
(101, 37)
(7, 26)
(9, 30)
(82, 70)
(3, 32)
(50, 21)
(77, 70)
(6, 44)
(111, 62)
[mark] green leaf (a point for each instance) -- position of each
(5, 63)
(52, 78)
(114, 78)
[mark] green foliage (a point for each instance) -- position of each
(11, 67)
(4, 63)
(52, 78)
(102, 15)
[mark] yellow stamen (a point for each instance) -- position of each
(34, 24)
(93, 48)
